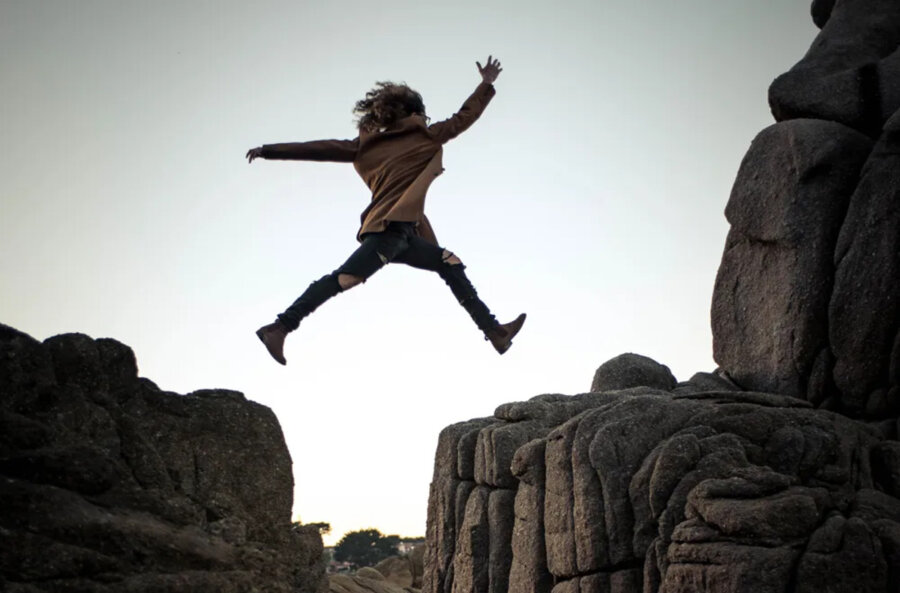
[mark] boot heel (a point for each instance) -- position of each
(501, 336)
(272, 336)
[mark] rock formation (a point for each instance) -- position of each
(111, 485)
(366, 580)
(806, 300)
(780, 471)
(404, 571)
(678, 491)
(397, 574)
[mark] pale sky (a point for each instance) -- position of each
(589, 195)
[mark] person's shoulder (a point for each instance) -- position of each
(411, 122)
(405, 124)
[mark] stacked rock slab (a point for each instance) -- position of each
(110, 485)
(778, 472)
(807, 299)
(680, 490)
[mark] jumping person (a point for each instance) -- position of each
(398, 155)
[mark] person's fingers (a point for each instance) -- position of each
(480, 69)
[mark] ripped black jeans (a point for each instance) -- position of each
(396, 244)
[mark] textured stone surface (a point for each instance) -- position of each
(451, 485)
(632, 370)
(864, 312)
(110, 484)
(700, 382)
(771, 298)
(528, 570)
(367, 580)
(643, 490)
(779, 471)
(847, 75)
(806, 299)
(404, 571)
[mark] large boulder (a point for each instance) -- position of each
(851, 74)
(645, 490)
(780, 471)
(771, 298)
(404, 571)
(807, 299)
(864, 313)
(110, 484)
(632, 370)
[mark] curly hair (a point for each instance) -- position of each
(387, 103)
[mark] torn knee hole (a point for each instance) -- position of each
(450, 258)
(348, 281)
(383, 259)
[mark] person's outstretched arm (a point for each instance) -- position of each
(318, 150)
(446, 130)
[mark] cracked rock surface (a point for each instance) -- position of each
(807, 298)
(649, 490)
(780, 470)
(111, 485)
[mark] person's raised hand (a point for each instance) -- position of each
(254, 153)
(490, 71)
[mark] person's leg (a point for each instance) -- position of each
(375, 251)
(424, 255)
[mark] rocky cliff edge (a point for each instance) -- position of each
(110, 484)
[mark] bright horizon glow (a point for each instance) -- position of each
(590, 195)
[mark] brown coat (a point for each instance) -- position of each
(398, 164)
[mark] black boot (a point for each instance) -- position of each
(502, 335)
(273, 336)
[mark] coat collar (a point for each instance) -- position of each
(402, 126)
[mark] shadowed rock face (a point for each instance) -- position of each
(780, 471)
(672, 491)
(111, 485)
(807, 299)
(851, 73)
(771, 301)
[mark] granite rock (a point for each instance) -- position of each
(111, 484)
(646, 490)
(771, 298)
